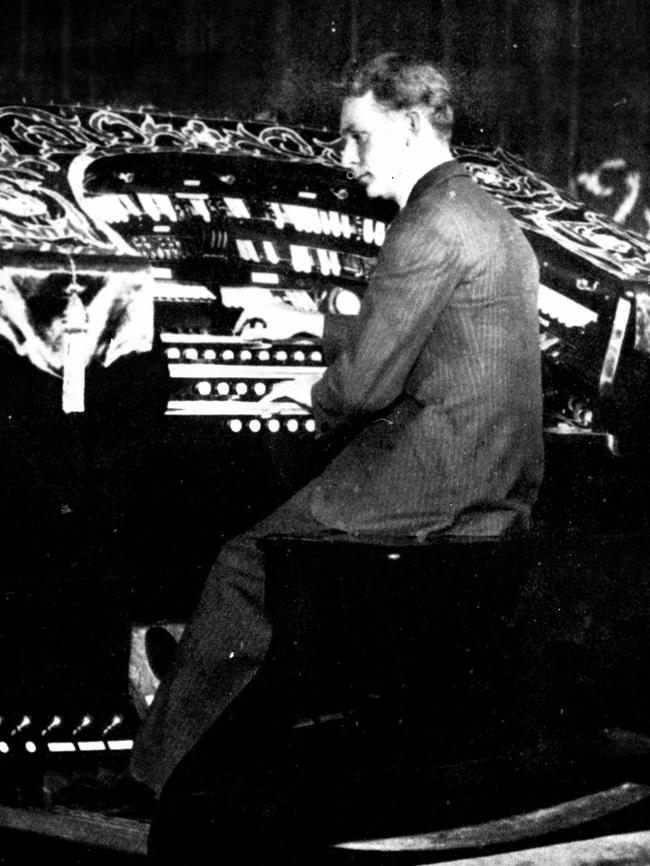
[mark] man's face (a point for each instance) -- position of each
(374, 144)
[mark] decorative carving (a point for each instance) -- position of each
(37, 207)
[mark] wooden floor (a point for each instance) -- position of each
(119, 835)
(626, 849)
(75, 837)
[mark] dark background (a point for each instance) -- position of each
(564, 83)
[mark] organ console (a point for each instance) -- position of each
(222, 212)
(224, 215)
(221, 215)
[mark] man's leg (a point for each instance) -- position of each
(222, 648)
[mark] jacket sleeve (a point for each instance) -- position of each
(417, 271)
(337, 333)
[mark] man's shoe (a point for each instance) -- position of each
(160, 647)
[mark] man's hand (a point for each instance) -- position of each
(291, 390)
(276, 320)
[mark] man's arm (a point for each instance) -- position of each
(278, 321)
(417, 271)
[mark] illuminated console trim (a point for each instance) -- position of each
(198, 370)
(230, 409)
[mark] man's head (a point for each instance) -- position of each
(396, 123)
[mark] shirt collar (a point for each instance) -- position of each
(442, 172)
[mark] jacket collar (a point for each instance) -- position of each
(442, 172)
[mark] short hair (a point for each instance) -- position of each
(399, 82)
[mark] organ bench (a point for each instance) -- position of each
(392, 716)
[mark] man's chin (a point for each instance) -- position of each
(373, 191)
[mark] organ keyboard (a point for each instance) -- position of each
(230, 377)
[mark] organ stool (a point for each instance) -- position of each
(411, 626)
(389, 661)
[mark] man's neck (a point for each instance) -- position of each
(423, 161)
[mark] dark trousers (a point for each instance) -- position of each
(222, 648)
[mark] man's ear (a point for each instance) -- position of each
(414, 119)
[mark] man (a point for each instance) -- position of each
(438, 377)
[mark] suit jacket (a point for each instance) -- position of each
(441, 371)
